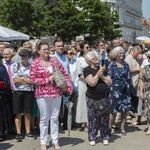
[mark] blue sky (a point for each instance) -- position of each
(146, 8)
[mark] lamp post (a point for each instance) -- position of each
(110, 18)
(55, 2)
(134, 33)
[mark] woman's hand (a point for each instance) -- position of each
(51, 78)
(101, 70)
(142, 96)
(64, 90)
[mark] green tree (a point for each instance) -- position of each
(64, 19)
(26, 16)
(17, 14)
(100, 21)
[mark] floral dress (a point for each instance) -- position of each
(120, 88)
(146, 78)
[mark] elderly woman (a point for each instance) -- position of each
(23, 94)
(97, 83)
(120, 89)
(48, 95)
(145, 92)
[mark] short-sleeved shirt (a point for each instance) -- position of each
(21, 71)
(99, 90)
(133, 64)
(145, 63)
(64, 61)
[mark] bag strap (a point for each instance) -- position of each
(16, 67)
(55, 63)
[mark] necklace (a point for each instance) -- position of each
(45, 63)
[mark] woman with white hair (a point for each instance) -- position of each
(97, 84)
(120, 88)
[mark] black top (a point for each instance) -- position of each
(99, 90)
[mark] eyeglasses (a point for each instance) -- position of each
(27, 47)
(70, 53)
(60, 46)
(102, 45)
(46, 49)
(94, 58)
(22, 56)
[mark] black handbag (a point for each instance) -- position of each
(101, 106)
(134, 99)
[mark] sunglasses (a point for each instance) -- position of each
(87, 47)
(60, 46)
(27, 47)
(70, 53)
(102, 45)
(22, 55)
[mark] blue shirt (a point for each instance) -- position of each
(63, 60)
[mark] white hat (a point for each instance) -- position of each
(147, 53)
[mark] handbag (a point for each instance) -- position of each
(134, 99)
(101, 106)
(59, 78)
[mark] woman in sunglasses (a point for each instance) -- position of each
(81, 112)
(23, 94)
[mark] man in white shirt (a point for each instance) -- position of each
(8, 63)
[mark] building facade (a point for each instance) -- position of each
(146, 27)
(130, 17)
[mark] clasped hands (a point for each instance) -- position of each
(100, 71)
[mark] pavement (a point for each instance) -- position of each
(134, 140)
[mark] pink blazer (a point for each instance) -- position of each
(39, 75)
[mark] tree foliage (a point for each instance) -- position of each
(99, 19)
(66, 18)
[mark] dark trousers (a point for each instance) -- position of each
(96, 123)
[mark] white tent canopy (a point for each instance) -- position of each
(7, 34)
(142, 38)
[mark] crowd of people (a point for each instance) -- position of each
(31, 103)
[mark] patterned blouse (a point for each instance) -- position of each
(39, 75)
(21, 71)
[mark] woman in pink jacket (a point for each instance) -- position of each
(48, 95)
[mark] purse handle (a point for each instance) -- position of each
(55, 63)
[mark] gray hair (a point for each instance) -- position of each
(116, 50)
(8, 50)
(88, 56)
(27, 43)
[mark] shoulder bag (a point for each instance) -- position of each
(101, 106)
(59, 78)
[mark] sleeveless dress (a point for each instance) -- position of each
(146, 78)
